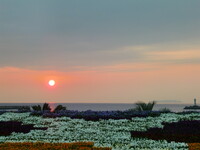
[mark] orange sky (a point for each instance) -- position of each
(166, 83)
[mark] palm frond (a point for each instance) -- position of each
(37, 108)
(46, 107)
(141, 106)
(59, 108)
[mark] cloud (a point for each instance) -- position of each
(56, 53)
(177, 56)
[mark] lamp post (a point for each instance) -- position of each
(195, 102)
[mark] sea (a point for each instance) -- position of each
(103, 106)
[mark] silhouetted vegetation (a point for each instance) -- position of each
(192, 107)
(182, 131)
(46, 108)
(141, 106)
(37, 107)
(59, 108)
(97, 115)
(7, 127)
(165, 110)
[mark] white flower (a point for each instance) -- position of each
(105, 133)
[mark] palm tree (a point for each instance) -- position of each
(141, 106)
(59, 108)
(45, 107)
(37, 108)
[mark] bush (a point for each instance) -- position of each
(182, 131)
(7, 127)
(97, 115)
(165, 110)
(37, 108)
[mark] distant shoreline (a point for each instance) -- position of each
(95, 103)
(103, 106)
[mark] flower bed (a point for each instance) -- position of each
(104, 133)
(194, 146)
(51, 146)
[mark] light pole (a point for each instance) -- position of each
(195, 102)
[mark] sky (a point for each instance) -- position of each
(107, 51)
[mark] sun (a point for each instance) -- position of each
(52, 82)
